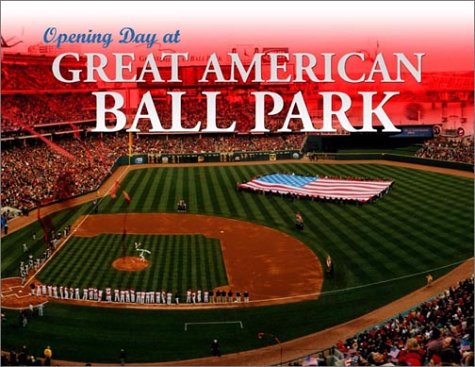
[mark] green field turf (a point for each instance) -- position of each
(424, 223)
(176, 263)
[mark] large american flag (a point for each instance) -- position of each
(318, 187)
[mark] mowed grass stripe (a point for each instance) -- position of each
(147, 244)
(281, 211)
(119, 204)
(323, 239)
(197, 188)
(202, 243)
(177, 249)
(102, 258)
(442, 193)
(167, 263)
(413, 198)
(75, 264)
(435, 222)
(359, 234)
(218, 255)
(217, 191)
(262, 201)
(345, 234)
(242, 197)
(210, 261)
(206, 269)
(419, 184)
(69, 266)
(259, 213)
(429, 224)
(186, 188)
(208, 201)
(158, 192)
(172, 195)
(331, 238)
(97, 247)
(158, 278)
(391, 219)
(168, 270)
(214, 190)
(141, 192)
(185, 266)
(167, 185)
(388, 233)
(225, 190)
(194, 267)
(52, 271)
(236, 205)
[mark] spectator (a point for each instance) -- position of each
(443, 326)
(435, 344)
(412, 355)
(48, 354)
(448, 149)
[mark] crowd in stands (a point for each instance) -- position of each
(217, 143)
(37, 171)
(34, 173)
(21, 76)
(438, 332)
(39, 109)
(454, 149)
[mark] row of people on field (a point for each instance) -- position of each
(140, 297)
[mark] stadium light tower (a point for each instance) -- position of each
(262, 334)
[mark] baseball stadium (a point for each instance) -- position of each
(235, 248)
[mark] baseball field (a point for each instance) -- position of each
(381, 251)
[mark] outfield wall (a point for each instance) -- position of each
(396, 158)
(238, 156)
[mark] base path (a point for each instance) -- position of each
(273, 266)
(17, 296)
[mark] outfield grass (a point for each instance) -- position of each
(176, 263)
(425, 222)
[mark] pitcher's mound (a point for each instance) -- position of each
(130, 263)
